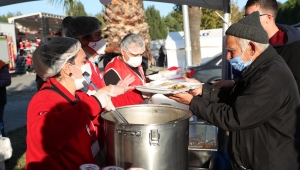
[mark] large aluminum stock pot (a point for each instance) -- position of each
(156, 138)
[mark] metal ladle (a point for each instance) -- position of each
(89, 81)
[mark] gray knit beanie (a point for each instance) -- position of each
(249, 28)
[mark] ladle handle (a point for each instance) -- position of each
(86, 76)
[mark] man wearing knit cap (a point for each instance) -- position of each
(259, 111)
(284, 38)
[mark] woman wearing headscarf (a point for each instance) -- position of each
(60, 133)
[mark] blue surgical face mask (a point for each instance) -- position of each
(238, 64)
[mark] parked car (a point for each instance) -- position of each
(209, 71)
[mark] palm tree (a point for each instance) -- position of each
(67, 4)
(123, 17)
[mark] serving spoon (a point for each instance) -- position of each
(89, 81)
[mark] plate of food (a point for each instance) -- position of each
(167, 87)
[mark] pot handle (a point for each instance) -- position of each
(135, 133)
(154, 137)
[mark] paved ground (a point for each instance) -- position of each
(19, 93)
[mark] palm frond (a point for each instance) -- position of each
(67, 4)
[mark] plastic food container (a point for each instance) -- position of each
(202, 136)
(89, 167)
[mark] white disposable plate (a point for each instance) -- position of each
(157, 88)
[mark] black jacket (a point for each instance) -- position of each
(5, 80)
(260, 113)
(290, 51)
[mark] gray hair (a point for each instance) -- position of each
(244, 43)
(137, 40)
(49, 58)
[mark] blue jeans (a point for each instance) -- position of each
(1, 119)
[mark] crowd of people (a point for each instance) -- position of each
(259, 109)
(25, 48)
(60, 64)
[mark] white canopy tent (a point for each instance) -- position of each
(212, 4)
(210, 44)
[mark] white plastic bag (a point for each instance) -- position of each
(5, 148)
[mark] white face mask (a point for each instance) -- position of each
(80, 83)
(86, 68)
(134, 61)
(98, 46)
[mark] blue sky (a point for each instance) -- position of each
(91, 7)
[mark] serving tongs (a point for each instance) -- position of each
(89, 81)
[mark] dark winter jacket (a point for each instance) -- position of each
(5, 80)
(290, 51)
(260, 114)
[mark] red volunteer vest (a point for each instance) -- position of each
(131, 97)
(123, 70)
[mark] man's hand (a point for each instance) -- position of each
(224, 83)
(184, 98)
(194, 92)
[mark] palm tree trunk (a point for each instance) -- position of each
(123, 17)
(195, 21)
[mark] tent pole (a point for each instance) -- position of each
(226, 74)
(226, 69)
(187, 37)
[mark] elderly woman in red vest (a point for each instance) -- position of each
(60, 130)
(128, 63)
